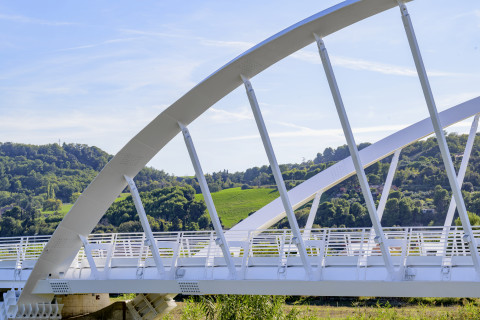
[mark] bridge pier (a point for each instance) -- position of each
(80, 304)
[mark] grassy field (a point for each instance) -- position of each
(63, 210)
(232, 205)
(235, 204)
(423, 309)
(66, 207)
(304, 312)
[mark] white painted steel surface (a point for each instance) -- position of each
(440, 135)
(100, 194)
(150, 240)
(313, 212)
(463, 167)
(207, 197)
(305, 192)
(346, 261)
(336, 254)
(388, 183)
(357, 162)
(297, 240)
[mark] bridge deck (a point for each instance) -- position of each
(338, 256)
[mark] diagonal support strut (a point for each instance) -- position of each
(442, 142)
(388, 183)
(463, 168)
(312, 214)
(362, 178)
(221, 242)
(151, 242)
(277, 174)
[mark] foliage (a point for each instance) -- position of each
(241, 307)
(42, 182)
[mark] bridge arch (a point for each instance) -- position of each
(100, 194)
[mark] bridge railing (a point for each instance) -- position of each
(445, 242)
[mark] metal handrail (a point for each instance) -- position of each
(353, 242)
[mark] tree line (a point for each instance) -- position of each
(36, 181)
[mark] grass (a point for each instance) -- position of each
(66, 207)
(194, 308)
(122, 196)
(235, 204)
(63, 210)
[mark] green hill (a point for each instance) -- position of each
(39, 183)
(235, 204)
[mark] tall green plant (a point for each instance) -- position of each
(239, 307)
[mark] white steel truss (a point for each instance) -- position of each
(220, 238)
(388, 184)
(335, 261)
(313, 213)
(297, 239)
(346, 257)
(150, 240)
(437, 126)
(463, 168)
(357, 162)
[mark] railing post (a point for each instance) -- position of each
(277, 174)
(362, 178)
(220, 240)
(442, 142)
(151, 242)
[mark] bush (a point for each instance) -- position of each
(238, 307)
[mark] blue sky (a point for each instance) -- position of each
(96, 72)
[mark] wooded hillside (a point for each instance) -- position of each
(36, 183)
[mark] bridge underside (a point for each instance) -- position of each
(427, 281)
(371, 288)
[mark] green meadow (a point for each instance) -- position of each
(66, 207)
(235, 204)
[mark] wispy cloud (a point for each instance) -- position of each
(222, 116)
(24, 19)
(475, 13)
(153, 33)
(309, 132)
(360, 64)
(106, 42)
(77, 126)
(240, 45)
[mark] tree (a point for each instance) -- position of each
(130, 226)
(52, 205)
(10, 227)
(391, 213)
(440, 199)
(472, 217)
(360, 214)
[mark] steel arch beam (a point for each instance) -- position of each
(305, 192)
(100, 194)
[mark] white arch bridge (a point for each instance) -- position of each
(249, 258)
